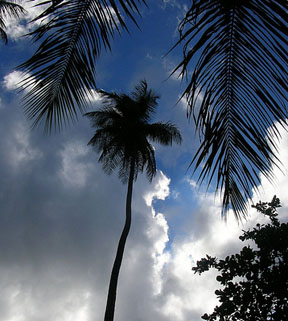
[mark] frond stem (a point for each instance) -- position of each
(230, 94)
(69, 49)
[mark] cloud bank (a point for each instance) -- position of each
(61, 218)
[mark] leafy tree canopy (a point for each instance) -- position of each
(255, 281)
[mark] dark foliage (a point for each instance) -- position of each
(61, 73)
(9, 9)
(123, 132)
(255, 281)
(235, 61)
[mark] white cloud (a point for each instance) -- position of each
(192, 183)
(18, 149)
(75, 167)
(280, 185)
(14, 80)
(183, 293)
(160, 191)
(175, 194)
(60, 240)
(61, 218)
(11, 81)
(16, 28)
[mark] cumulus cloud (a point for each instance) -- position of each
(183, 294)
(160, 190)
(60, 223)
(16, 28)
(61, 218)
(280, 185)
(12, 80)
(75, 168)
(15, 80)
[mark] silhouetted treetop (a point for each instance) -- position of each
(254, 281)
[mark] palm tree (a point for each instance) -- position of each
(235, 58)
(122, 137)
(8, 9)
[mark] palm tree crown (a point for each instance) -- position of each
(123, 132)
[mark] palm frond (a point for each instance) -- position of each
(60, 74)
(103, 117)
(9, 9)
(146, 100)
(3, 36)
(163, 133)
(235, 61)
(140, 105)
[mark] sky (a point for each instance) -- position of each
(61, 216)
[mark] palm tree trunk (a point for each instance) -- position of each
(111, 299)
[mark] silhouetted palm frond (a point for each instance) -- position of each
(235, 61)
(8, 9)
(60, 74)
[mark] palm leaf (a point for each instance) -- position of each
(163, 133)
(8, 9)
(235, 59)
(60, 74)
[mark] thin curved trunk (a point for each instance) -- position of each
(111, 299)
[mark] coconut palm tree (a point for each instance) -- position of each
(123, 134)
(8, 9)
(235, 58)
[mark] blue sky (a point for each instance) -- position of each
(61, 216)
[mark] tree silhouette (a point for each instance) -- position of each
(10, 9)
(255, 281)
(122, 137)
